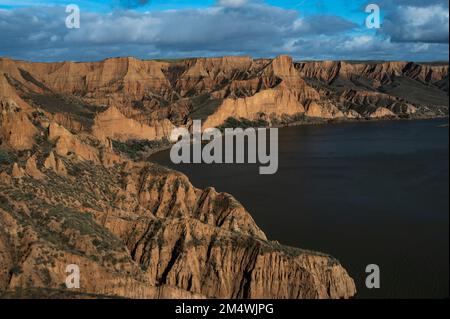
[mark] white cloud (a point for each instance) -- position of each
(232, 3)
(427, 24)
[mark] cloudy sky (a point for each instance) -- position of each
(415, 30)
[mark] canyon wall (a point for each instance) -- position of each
(73, 190)
(147, 97)
(138, 230)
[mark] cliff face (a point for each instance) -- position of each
(72, 191)
(154, 93)
(141, 231)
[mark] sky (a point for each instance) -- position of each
(413, 30)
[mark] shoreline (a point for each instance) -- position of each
(349, 264)
(320, 122)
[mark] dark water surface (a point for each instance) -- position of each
(366, 193)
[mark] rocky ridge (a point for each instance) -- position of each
(148, 97)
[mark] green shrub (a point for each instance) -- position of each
(15, 270)
(134, 148)
(243, 123)
(6, 158)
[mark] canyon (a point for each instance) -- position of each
(76, 188)
(127, 98)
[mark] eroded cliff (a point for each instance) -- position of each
(147, 97)
(73, 192)
(138, 230)
(69, 195)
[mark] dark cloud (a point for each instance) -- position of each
(416, 21)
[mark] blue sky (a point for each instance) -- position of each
(306, 29)
(350, 9)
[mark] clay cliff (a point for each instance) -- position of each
(147, 97)
(138, 230)
(73, 188)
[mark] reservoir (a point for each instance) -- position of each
(366, 193)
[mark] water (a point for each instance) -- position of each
(366, 193)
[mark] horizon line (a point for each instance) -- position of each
(228, 56)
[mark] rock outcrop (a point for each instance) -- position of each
(382, 112)
(326, 111)
(56, 164)
(269, 102)
(114, 125)
(70, 144)
(17, 171)
(15, 127)
(31, 168)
